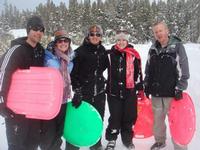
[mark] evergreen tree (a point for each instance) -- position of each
(74, 21)
(136, 16)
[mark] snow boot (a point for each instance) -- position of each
(158, 145)
(96, 148)
(130, 146)
(111, 145)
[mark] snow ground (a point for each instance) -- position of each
(193, 52)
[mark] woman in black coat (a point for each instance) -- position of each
(87, 79)
(124, 79)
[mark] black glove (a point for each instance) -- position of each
(178, 94)
(6, 112)
(77, 98)
(146, 90)
(147, 95)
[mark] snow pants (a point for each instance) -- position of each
(52, 131)
(29, 134)
(123, 115)
(99, 103)
(160, 106)
(22, 133)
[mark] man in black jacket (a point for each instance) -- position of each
(166, 77)
(87, 79)
(22, 133)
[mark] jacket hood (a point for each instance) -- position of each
(173, 40)
(19, 41)
(49, 54)
(22, 41)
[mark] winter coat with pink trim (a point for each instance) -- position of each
(116, 85)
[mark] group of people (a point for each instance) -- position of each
(166, 76)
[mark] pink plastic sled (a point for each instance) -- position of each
(144, 124)
(182, 120)
(36, 92)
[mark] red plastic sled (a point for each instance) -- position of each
(182, 120)
(144, 125)
(36, 92)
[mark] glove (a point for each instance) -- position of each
(140, 94)
(178, 94)
(77, 98)
(147, 95)
(146, 90)
(6, 112)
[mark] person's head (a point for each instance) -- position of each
(61, 39)
(161, 32)
(95, 33)
(35, 30)
(122, 38)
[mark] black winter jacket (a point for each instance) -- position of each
(116, 85)
(89, 64)
(166, 68)
(21, 55)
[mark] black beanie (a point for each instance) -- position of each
(34, 21)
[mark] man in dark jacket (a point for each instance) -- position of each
(87, 79)
(166, 77)
(22, 133)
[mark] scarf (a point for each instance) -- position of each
(131, 54)
(64, 60)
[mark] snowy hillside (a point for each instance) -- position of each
(193, 52)
(18, 33)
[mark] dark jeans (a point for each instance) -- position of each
(99, 103)
(123, 115)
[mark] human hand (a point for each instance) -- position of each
(140, 94)
(178, 94)
(147, 95)
(77, 98)
(5, 111)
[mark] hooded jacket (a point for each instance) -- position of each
(166, 68)
(89, 64)
(21, 55)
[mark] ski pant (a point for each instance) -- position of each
(123, 115)
(160, 106)
(29, 134)
(99, 103)
(22, 133)
(52, 131)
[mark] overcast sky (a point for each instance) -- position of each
(30, 4)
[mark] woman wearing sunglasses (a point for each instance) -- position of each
(88, 83)
(58, 55)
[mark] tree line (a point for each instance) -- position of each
(135, 16)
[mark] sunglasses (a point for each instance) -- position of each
(41, 29)
(62, 40)
(95, 34)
